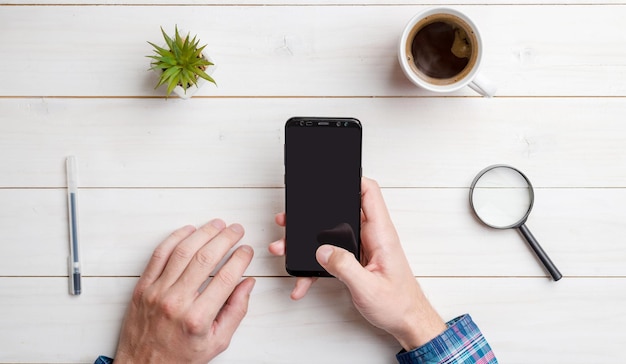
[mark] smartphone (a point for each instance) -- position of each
(322, 190)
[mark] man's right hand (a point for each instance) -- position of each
(384, 290)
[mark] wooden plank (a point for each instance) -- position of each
(304, 50)
(42, 324)
(239, 142)
(581, 229)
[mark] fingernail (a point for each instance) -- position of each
(218, 224)
(247, 249)
(189, 229)
(323, 254)
(237, 228)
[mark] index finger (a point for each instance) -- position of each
(160, 256)
(377, 230)
(206, 259)
(372, 202)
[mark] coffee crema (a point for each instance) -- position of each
(442, 49)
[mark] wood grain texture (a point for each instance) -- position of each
(441, 142)
(304, 50)
(581, 229)
(75, 81)
(42, 324)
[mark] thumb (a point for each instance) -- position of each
(342, 264)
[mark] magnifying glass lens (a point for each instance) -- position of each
(502, 197)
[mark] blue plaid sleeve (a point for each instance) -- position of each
(462, 342)
(103, 360)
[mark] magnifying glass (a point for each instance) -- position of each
(502, 197)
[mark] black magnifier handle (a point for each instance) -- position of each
(554, 272)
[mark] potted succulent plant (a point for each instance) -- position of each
(181, 64)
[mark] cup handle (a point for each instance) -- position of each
(483, 86)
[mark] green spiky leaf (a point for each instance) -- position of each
(181, 62)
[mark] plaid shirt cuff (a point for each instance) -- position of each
(462, 342)
(103, 360)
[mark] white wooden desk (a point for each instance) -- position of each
(74, 80)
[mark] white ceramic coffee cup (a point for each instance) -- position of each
(470, 78)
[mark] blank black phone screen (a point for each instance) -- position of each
(323, 190)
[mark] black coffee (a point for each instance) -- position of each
(441, 50)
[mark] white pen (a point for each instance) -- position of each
(74, 259)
